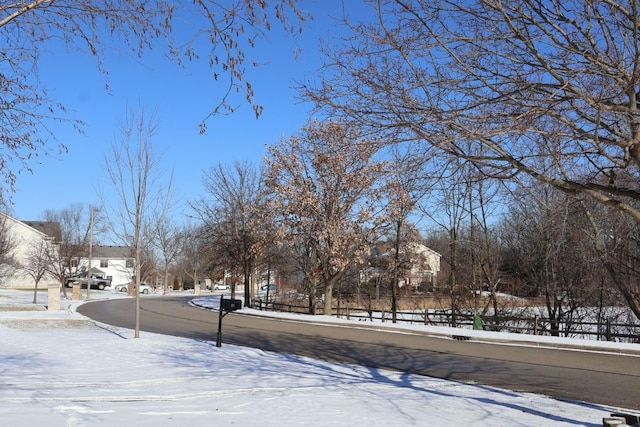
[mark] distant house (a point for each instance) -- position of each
(420, 266)
(23, 245)
(116, 262)
(22, 240)
(424, 269)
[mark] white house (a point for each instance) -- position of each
(115, 262)
(25, 244)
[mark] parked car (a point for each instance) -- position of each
(269, 289)
(144, 288)
(221, 287)
(98, 281)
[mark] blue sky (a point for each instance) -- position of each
(182, 98)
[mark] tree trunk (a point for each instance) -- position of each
(328, 298)
(247, 265)
(396, 274)
(312, 298)
(166, 278)
(35, 292)
(63, 284)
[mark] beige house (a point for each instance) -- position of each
(423, 266)
(25, 247)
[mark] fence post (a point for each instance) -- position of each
(536, 319)
(608, 329)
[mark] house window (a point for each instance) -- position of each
(129, 263)
(104, 263)
(74, 263)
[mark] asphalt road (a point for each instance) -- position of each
(600, 378)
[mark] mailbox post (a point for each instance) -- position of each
(226, 307)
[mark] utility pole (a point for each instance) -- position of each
(90, 251)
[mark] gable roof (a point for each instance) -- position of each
(50, 228)
(113, 252)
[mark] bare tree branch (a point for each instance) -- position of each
(544, 88)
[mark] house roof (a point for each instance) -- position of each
(100, 251)
(111, 252)
(50, 228)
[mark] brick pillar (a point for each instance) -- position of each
(77, 294)
(53, 297)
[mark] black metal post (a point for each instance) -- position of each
(219, 338)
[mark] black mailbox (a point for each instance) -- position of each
(231, 304)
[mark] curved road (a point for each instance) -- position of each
(601, 378)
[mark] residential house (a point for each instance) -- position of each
(116, 262)
(25, 246)
(420, 266)
(424, 268)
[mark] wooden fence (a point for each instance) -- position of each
(606, 330)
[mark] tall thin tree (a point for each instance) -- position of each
(138, 189)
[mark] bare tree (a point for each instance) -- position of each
(221, 33)
(404, 187)
(554, 257)
(36, 262)
(462, 204)
(8, 244)
(150, 259)
(168, 241)
(546, 88)
(483, 241)
(446, 207)
(615, 240)
(192, 260)
(74, 225)
(322, 184)
(139, 190)
(233, 216)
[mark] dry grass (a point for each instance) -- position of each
(22, 307)
(437, 302)
(46, 324)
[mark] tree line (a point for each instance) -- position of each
(312, 215)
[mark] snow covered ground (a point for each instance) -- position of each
(61, 369)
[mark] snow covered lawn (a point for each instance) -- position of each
(61, 369)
